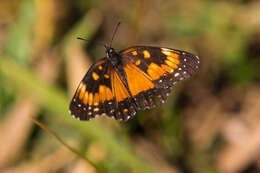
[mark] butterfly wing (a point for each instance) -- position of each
(125, 104)
(94, 95)
(101, 92)
(151, 71)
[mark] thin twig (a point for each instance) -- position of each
(64, 144)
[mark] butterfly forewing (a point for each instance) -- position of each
(94, 94)
(101, 92)
(151, 71)
(164, 66)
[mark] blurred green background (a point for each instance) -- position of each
(209, 124)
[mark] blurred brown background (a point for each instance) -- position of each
(209, 124)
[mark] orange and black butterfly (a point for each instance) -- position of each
(126, 81)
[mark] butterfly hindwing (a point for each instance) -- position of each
(125, 108)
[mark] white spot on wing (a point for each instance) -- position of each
(176, 74)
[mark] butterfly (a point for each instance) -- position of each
(124, 82)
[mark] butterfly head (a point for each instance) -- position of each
(110, 51)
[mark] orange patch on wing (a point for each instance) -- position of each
(134, 53)
(105, 93)
(171, 64)
(166, 68)
(102, 94)
(174, 55)
(173, 59)
(146, 54)
(109, 95)
(138, 62)
(170, 52)
(96, 99)
(85, 98)
(95, 76)
(155, 71)
(106, 76)
(119, 90)
(166, 52)
(138, 81)
(90, 99)
(82, 91)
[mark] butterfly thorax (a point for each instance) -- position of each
(113, 57)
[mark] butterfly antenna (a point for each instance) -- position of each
(114, 33)
(80, 38)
